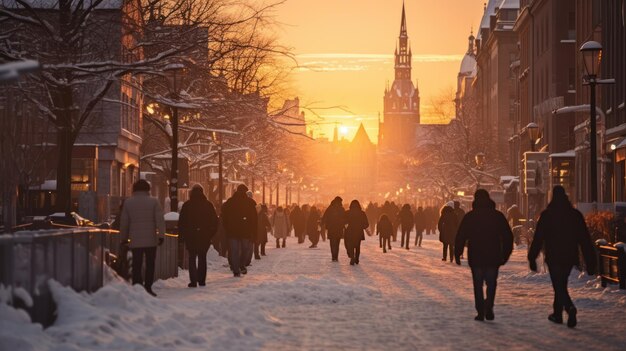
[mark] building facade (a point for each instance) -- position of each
(401, 115)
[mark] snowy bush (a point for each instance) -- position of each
(600, 225)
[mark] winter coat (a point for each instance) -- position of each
(197, 223)
(459, 214)
(263, 227)
(488, 236)
(142, 220)
(406, 218)
(297, 220)
(561, 230)
(240, 217)
(448, 226)
(312, 222)
(280, 221)
(421, 221)
(334, 220)
(384, 228)
(357, 223)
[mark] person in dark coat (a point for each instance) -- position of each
(197, 225)
(297, 220)
(312, 226)
(240, 222)
(405, 217)
(562, 231)
(490, 243)
(334, 221)
(263, 227)
(384, 230)
(355, 231)
(420, 225)
(460, 213)
(448, 226)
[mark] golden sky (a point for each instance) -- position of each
(345, 53)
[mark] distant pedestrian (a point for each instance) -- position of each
(405, 217)
(562, 232)
(420, 225)
(143, 224)
(298, 221)
(384, 229)
(514, 216)
(197, 225)
(312, 226)
(448, 226)
(490, 243)
(240, 222)
(355, 231)
(281, 225)
(263, 227)
(460, 213)
(334, 221)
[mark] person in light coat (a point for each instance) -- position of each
(280, 222)
(142, 227)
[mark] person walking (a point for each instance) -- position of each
(142, 227)
(263, 227)
(281, 225)
(312, 226)
(297, 220)
(197, 225)
(562, 231)
(334, 221)
(356, 220)
(405, 217)
(448, 226)
(420, 225)
(240, 222)
(458, 211)
(384, 229)
(490, 243)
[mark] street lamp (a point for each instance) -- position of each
(480, 166)
(220, 181)
(592, 55)
(533, 134)
(174, 122)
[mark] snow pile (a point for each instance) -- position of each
(296, 299)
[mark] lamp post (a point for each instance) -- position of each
(592, 54)
(480, 166)
(533, 134)
(220, 177)
(174, 122)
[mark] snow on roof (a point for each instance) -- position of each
(50, 184)
(509, 4)
(468, 64)
(569, 153)
(489, 11)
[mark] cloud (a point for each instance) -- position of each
(343, 62)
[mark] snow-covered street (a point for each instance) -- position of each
(297, 299)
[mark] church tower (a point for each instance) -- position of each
(401, 114)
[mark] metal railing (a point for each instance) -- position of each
(73, 257)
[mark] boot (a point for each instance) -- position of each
(555, 318)
(489, 315)
(571, 320)
(192, 285)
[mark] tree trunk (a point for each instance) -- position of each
(64, 171)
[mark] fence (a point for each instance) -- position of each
(612, 265)
(73, 257)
